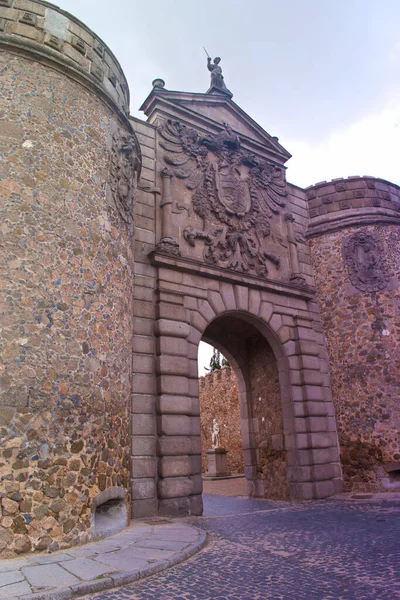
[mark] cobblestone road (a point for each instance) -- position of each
(331, 550)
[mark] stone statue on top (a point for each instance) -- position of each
(217, 79)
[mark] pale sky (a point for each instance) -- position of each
(322, 75)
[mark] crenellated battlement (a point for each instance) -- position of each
(43, 31)
(344, 202)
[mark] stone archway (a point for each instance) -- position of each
(188, 303)
(265, 417)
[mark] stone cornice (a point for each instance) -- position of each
(213, 272)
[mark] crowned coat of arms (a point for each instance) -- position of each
(234, 192)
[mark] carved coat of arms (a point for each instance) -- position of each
(124, 166)
(364, 256)
(235, 193)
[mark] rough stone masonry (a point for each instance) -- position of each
(124, 243)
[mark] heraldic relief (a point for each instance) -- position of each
(366, 265)
(235, 193)
(124, 168)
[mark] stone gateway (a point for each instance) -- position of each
(127, 242)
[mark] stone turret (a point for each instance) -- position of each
(70, 163)
(354, 237)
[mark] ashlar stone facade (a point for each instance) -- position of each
(126, 242)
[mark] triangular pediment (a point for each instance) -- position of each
(208, 112)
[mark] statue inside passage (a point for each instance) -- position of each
(217, 79)
(215, 437)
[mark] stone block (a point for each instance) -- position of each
(143, 344)
(141, 509)
(196, 505)
(254, 302)
(142, 363)
(228, 295)
(76, 56)
(197, 483)
(317, 424)
(329, 471)
(242, 297)
(198, 321)
(177, 405)
(143, 424)
(142, 489)
(143, 383)
(322, 440)
(300, 425)
(33, 7)
(206, 310)
(294, 362)
(302, 441)
(142, 403)
(144, 293)
(143, 327)
(26, 31)
(301, 491)
(143, 445)
(300, 458)
(145, 309)
(299, 409)
(275, 322)
(216, 302)
(299, 474)
(173, 384)
(286, 333)
(174, 507)
(172, 328)
(311, 362)
(142, 467)
(178, 445)
(172, 365)
(316, 409)
(313, 393)
(297, 393)
(307, 347)
(175, 487)
(179, 466)
(172, 345)
(194, 387)
(325, 455)
(174, 312)
(311, 377)
(324, 489)
(178, 425)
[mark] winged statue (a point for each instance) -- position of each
(235, 193)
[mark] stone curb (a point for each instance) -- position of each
(121, 578)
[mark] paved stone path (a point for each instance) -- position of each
(142, 549)
(258, 549)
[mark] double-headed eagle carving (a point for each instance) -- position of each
(235, 193)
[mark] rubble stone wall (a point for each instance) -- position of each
(219, 399)
(65, 292)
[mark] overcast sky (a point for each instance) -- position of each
(322, 75)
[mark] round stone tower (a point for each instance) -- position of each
(354, 236)
(70, 162)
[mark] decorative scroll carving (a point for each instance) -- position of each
(125, 163)
(235, 193)
(366, 265)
